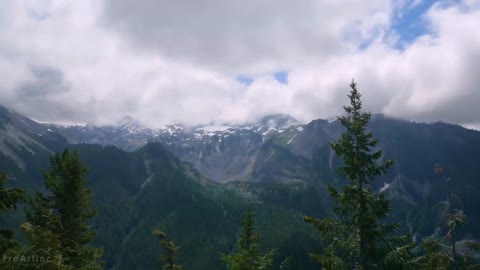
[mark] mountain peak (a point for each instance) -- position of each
(278, 121)
(128, 121)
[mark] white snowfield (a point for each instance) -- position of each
(214, 128)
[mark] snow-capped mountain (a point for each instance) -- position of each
(220, 152)
(128, 134)
(226, 153)
(266, 127)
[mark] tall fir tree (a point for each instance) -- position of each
(170, 250)
(356, 238)
(247, 255)
(9, 198)
(60, 218)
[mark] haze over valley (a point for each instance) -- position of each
(252, 135)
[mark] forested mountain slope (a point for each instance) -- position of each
(153, 187)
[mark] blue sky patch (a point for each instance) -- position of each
(411, 25)
(245, 80)
(281, 76)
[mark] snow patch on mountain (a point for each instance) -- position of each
(385, 187)
(271, 155)
(292, 139)
(130, 134)
(173, 129)
(214, 128)
(332, 119)
(268, 130)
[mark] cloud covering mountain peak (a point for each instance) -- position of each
(171, 62)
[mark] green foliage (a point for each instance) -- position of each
(59, 219)
(201, 216)
(45, 243)
(285, 264)
(356, 238)
(434, 257)
(247, 256)
(9, 198)
(444, 253)
(170, 250)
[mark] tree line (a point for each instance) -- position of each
(357, 236)
(57, 232)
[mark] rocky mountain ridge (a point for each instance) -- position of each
(289, 168)
(222, 153)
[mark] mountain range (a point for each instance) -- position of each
(194, 182)
(222, 153)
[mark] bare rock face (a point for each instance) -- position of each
(222, 153)
(275, 159)
(23, 140)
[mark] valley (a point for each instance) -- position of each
(196, 182)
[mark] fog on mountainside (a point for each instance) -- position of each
(195, 183)
(232, 135)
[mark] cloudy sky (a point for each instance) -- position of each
(194, 62)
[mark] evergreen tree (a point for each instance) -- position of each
(247, 256)
(170, 249)
(9, 198)
(59, 219)
(45, 243)
(443, 253)
(356, 238)
(434, 258)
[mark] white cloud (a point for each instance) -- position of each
(246, 36)
(176, 61)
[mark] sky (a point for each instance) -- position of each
(197, 62)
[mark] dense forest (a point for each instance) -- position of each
(99, 208)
